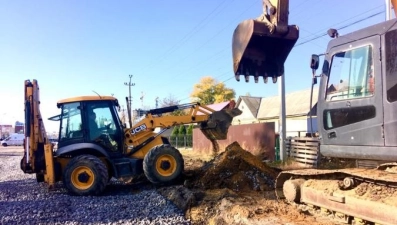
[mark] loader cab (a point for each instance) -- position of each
(89, 121)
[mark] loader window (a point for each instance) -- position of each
(103, 128)
(351, 75)
(71, 121)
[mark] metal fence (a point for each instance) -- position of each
(185, 141)
(304, 150)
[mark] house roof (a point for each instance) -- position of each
(252, 103)
(297, 104)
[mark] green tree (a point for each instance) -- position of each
(175, 131)
(209, 91)
(190, 129)
(182, 130)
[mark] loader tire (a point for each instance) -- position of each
(163, 164)
(85, 175)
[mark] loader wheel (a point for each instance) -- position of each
(85, 175)
(163, 164)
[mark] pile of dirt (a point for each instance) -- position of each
(235, 169)
(376, 192)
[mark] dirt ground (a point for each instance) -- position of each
(235, 188)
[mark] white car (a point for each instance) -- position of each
(13, 140)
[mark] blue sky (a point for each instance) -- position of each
(77, 47)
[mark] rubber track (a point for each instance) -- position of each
(373, 176)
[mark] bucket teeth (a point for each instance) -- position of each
(256, 77)
(247, 78)
(265, 79)
(237, 76)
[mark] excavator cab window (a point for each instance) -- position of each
(351, 75)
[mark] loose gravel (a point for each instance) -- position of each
(24, 201)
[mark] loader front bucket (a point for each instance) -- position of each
(259, 51)
(217, 126)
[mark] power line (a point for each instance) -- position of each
(185, 38)
(340, 28)
(208, 40)
(321, 30)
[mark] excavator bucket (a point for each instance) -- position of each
(261, 50)
(217, 126)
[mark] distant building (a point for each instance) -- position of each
(6, 130)
(19, 127)
(267, 109)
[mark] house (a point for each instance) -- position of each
(249, 107)
(267, 109)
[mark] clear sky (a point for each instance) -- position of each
(77, 47)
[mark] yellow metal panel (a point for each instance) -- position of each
(49, 176)
(143, 151)
(86, 98)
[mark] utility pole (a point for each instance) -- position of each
(157, 102)
(129, 103)
(142, 96)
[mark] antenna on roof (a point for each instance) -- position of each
(97, 94)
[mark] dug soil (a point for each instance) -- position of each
(235, 187)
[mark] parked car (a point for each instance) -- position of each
(13, 140)
(54, 142)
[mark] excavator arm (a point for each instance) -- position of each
(275, 15)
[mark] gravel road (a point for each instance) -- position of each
(24, 201)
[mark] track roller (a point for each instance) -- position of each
(292, 190)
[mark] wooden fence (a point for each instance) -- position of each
(305, 150)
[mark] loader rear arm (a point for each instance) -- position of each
(38, 151)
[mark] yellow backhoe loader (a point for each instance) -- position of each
(95, 146)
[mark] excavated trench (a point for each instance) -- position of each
(235, 187)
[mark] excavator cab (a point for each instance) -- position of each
(261, 46)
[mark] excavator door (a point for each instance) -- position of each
(261, 46)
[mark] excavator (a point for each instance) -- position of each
(94, 145)
(356, 116)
